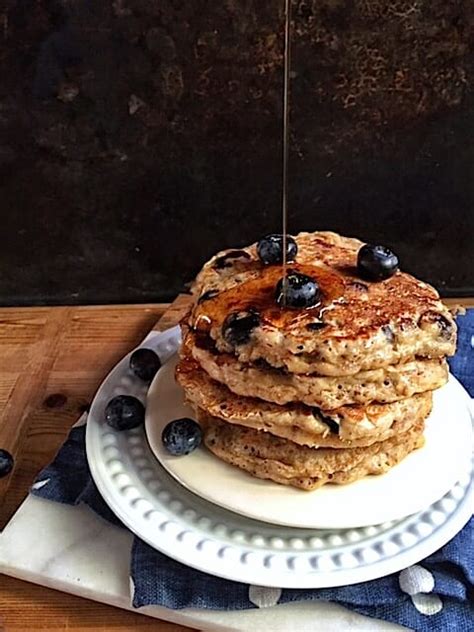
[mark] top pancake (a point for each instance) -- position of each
(359, 325)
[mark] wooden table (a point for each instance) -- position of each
(52, 360)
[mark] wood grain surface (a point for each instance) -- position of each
(52, 359)
(51, 362)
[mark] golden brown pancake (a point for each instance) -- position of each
(282, 461)
(344, 427)
(315, 395)
(359, 325)
(383, 385)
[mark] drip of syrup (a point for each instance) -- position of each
(286, 130)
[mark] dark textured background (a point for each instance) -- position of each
(139, 136)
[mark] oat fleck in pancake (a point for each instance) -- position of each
(266, 456)
(348, 426)
(359, 325)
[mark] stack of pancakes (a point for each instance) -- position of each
(326, 394)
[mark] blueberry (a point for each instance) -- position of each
(270, 249)
(238, 326)
(225, 260)
(124, 412)
(376, 263)
(446, 327)
(206, 296)
(145, 364)
(329, 421)
(181, 436)
(297, 290)
(6, 463)
(316, 326)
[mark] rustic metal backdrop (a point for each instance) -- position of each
(137, 137)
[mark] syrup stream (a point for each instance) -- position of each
(286, 130)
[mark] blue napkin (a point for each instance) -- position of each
(436, 594)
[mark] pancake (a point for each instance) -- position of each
(359, 325)
(266, 456)
(383, 385)
(345, 427)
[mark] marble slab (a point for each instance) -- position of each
(73, 550)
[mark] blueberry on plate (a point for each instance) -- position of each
(297, 290)
(270, 249)
(181, 436)
(238, 326)
(376, 263)
(145, 363)
(124, 412)
(6, 463)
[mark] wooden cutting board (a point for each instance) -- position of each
(52, 361)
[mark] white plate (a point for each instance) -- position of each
(202, 535)
(419, 480)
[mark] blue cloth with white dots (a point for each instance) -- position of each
(435, 595)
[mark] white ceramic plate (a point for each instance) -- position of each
(414, 484)
(202, 535)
